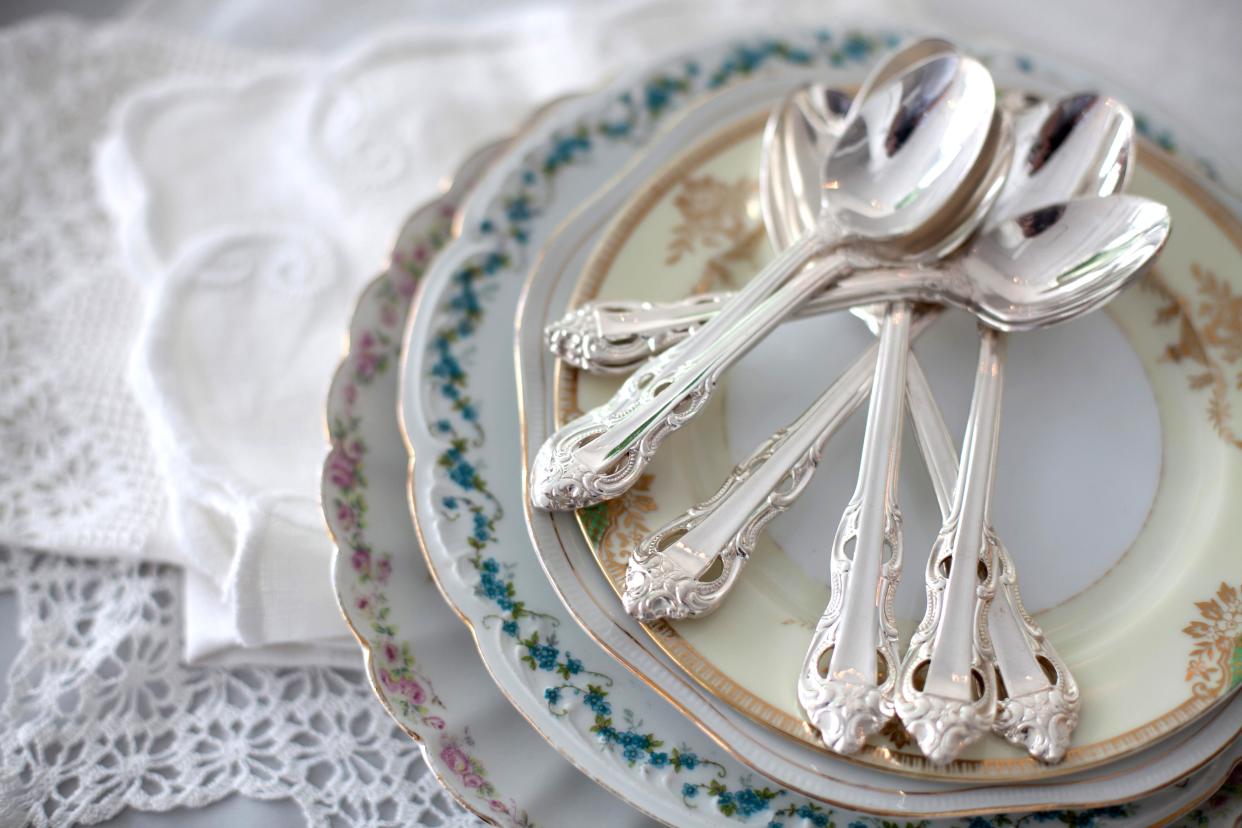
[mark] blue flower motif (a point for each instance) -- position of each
(469, 413)
(572, 665)
(553, 695)
(450, 503)
(979, 822)
(463, 474)
(544, 656)
(444, 426)
(519, 210)
(749, 802)
(689, 791)
(856, 47)
(595, 701)
(490, 566)
(658, 760)
(486, 226)
(689, 761)
(509, 628)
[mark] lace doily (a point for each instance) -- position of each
(100, 713)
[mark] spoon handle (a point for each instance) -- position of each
(946, 688)
(670, 574)
(617, 337)
(1035, 712)
(847, 679)
(601, 454)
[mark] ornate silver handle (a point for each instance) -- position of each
(847, 679)
(673, 573)
(601, 454)
(618, 337)
(947, 689)
(1039, 708)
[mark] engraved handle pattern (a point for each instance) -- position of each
(1035, 712)
(847, 679)
(946, 690)
(618, 337)
(665, 574)
(600, 455)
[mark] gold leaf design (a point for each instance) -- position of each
(626, 526)
(1214, 659)
(1209, 337)
(713, 214)
(718, 272)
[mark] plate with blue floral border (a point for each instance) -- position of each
(460, 425)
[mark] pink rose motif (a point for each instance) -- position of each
(345, 515)
(384, 569)
(363, 603)
(412, 690)
(498, 806)
(367, 341)
(388, 316)
(407, 287)
(456, 760)
(341, 469)
(366, 363)
(472, 780)
(390, 651)
(420, 253)
(351, 394)
(361, 560)
(434, 721)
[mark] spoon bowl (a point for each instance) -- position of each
(887, 179)
(1060, 261)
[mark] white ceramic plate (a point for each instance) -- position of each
(465, 483)
(1107, 444)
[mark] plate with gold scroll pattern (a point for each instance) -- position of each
(1119, 454)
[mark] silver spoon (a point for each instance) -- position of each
(1040, 713)
(903, 182)
(946, 687)
(846, 686)
(1072, 257)
(690, 547)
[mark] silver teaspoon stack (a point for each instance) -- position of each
(946, 687)
(907, 180)
(1040, 712)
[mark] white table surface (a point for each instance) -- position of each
(1190, 47)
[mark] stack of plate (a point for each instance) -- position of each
(1126, 425)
